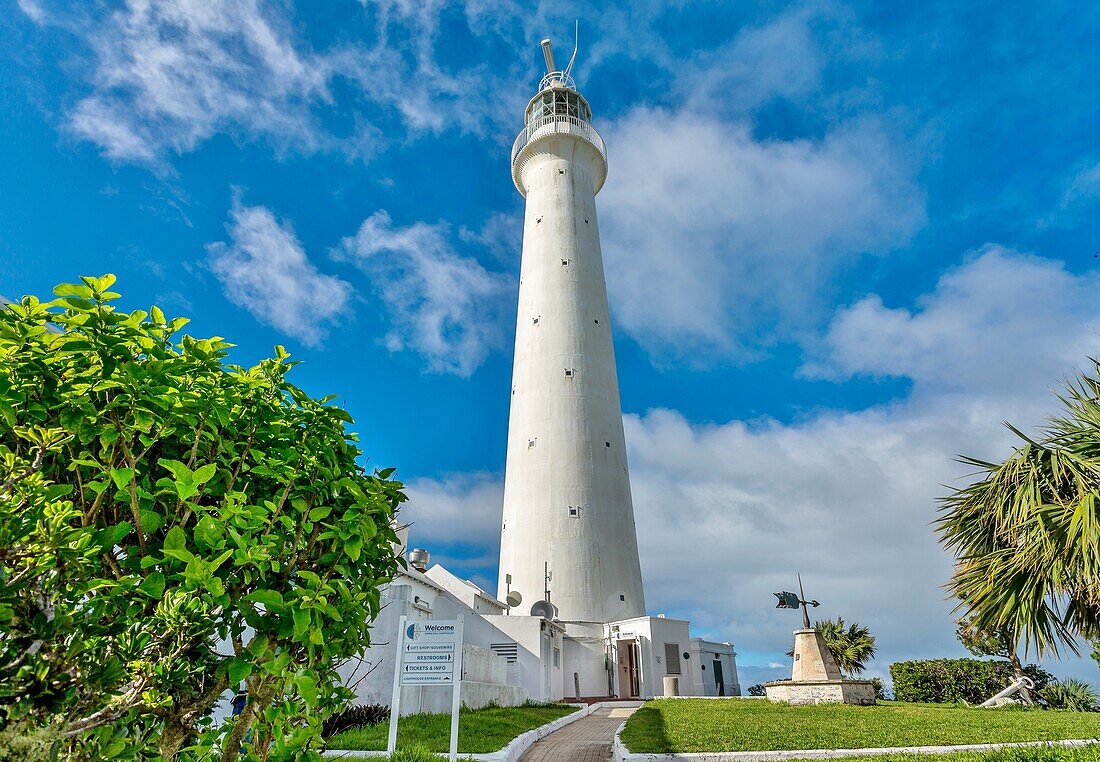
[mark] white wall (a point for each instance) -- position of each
(652, 633)
(703, 655)
(537, 639)
(412, 594)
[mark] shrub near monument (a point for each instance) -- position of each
(954, 680)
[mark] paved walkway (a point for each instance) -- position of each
(586, 740)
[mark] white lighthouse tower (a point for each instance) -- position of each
(568, 532)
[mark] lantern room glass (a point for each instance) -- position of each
(558, 102)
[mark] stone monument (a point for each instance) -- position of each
(815, 676)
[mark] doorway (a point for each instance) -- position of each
(626, 652)
(719, 682)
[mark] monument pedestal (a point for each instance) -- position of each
(815, 677)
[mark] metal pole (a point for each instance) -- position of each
(456, 692)
(802, 600)
(395, 699)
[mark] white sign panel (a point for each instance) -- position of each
(428, 651)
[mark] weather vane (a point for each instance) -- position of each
(792, 601)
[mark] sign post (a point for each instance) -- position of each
(429, 653)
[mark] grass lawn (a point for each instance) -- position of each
(686, 725)
(1030, 754)
(480, 731)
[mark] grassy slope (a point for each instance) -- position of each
(684, 725)
(480, 731)
(1030, 754)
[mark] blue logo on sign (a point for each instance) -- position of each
(410, 633)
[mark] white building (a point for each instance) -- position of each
(569, 565)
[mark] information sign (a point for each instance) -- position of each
(429, 653)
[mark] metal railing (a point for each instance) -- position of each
(557, 124)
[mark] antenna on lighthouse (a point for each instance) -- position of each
(548, 56)
(576, 44)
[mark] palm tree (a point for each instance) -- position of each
(1026, 533)
(852, 648)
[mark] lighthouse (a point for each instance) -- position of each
(567, 534)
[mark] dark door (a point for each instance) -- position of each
(719, 683)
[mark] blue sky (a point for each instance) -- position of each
(843, 243)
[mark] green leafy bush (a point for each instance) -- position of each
(880, 689)
(172, 527)
(1074, 695)
(954, 680)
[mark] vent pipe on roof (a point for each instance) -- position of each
(419, 558)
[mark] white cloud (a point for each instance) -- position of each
(1079, 192)
(167, 76)
(265, 270)
(457, 510)
(778, 59)
(996, 293)
(446, 307)
(717, 243)
(728, 513)
(33, 10)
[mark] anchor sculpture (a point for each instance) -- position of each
(1006, 696)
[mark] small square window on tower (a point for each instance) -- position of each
(622, 597)
(569, 373)
(532, 442)
(536, 320)
(565, 263)
(574, 511)
(606, 444)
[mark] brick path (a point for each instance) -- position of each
(586, 740)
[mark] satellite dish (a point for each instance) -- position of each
(514, 599)
(544, 609)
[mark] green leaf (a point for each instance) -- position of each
(257, 647)
(208, 533)
(369, 528)
(239, 669)
(205, 473)
(319, 513)
(122, 477)
(307, 689)
(108, 537)
(269, 598)
(176, 539)
(153, 585)
(180, 554)
(73, 289)
(186, 490)
(353, 546)
(301, 622)
(221, 559)
(151, 521)
(180, 471)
